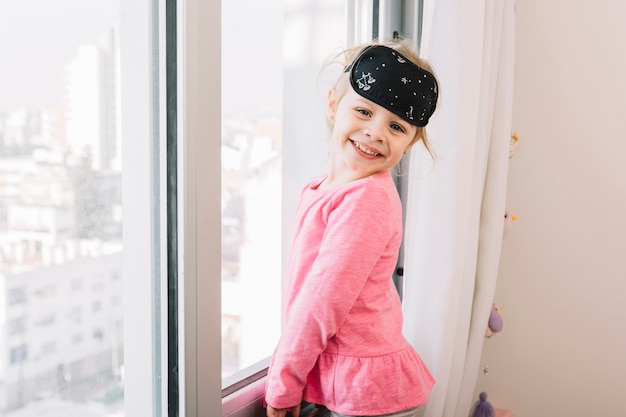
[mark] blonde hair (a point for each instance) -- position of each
(347, 56)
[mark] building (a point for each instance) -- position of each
(62, 329)
(60, 281)
(91, 104)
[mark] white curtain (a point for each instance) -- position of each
(456, 204)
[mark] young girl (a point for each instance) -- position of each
(342, 344)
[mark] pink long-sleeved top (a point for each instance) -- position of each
(342, 344)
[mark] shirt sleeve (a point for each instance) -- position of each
(357, 231)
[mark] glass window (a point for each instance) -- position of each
(272, 58)
(265, 46)
(61, 339)
(251, 182)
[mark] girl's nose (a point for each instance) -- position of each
(375, 131)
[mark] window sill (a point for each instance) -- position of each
(245, 402)
(248, 402)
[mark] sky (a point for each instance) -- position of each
(252, 63)
(38, 38)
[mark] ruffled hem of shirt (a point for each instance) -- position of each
(369, 385)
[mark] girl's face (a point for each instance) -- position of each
(366, 138)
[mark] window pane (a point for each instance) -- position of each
(251, 180)
(61, 322)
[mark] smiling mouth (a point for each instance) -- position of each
(365, 150)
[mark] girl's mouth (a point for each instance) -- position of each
(364, 150)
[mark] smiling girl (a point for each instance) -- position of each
(342, 345)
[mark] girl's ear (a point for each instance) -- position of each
(332, 105)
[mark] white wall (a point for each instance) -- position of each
(562, 281)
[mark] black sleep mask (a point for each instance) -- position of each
(384, 76)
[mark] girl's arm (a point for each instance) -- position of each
(357, 231)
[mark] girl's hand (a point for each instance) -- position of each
(282, 412)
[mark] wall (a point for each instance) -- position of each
(562, 279)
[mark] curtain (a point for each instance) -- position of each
(455, 203)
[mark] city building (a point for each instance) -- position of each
(61, 319)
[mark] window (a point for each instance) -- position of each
(86, 98)
(19, 354)
(251, 182)
(310, 32)
(17, 325)
(16, 295)
(273, 139)
(60, 199)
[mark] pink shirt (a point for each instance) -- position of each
(342, 343)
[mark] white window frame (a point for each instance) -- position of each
(199, 124)
(142, 33)
(141, 220)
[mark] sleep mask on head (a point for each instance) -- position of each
(384, 76)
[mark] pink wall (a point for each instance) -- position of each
(562, 281)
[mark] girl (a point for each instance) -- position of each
(342, 344)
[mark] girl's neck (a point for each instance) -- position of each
(337, 180)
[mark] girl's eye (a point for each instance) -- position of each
(397, 127)
(364, 112)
